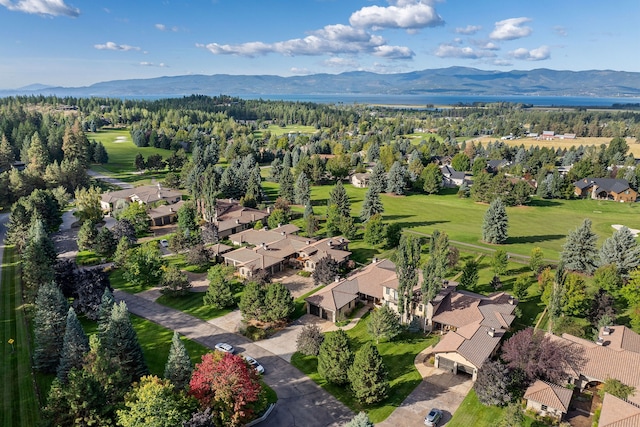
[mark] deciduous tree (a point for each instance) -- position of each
(143, 266)
(407, 260)
(309, 340)
(469, 278)
(492, 385)
(499, 262)
(219, 293)
(326, 271)
(174, 282)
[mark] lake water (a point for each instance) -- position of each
(417, 100)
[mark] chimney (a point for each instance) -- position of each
(342, 240)
(600, 341)
(374, 260)
(283, 233)
(308, 242)
(330, 243)
(279, 225)
(237, 221)
(606, 330)
(491, 332)
(511, 299)
(337, 279)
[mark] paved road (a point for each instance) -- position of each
(114, 181)
(301, 402)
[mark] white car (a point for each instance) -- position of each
(223, 346)
(253, 362)
(164, 243)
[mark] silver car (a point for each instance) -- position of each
(223, 346)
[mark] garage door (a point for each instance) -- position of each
(314, 309)
(446, 364)
(465, 369)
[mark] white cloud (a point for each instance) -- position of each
(447, 50)
(560, 30)
(151, 64)
(337, 62)
(300, 71)
(163, 27)
(502, 62)
(115, 46)
(330, 40)
(469, 29)
(41, 7)
(511, 29)
(484, 44)
(405, 14)
(538, 54)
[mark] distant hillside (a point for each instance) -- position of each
(444, 81)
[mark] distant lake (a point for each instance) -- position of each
(417, 100)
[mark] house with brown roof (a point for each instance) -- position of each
(145, 195)
(231, 217)
(605, 189)
(473, 324)
(267, 246)
(548, 399)
(618, 412)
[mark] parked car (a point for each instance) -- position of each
(223, 346)
(164, 243)
(253, 362)
(433, 417)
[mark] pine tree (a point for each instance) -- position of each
(360, 420)
(49, 327)
(120, 342)
(384, 323)
(106, 306)
(309, 340)
(431, 178)
(7, 156)
(338, 197)
(219, 293)
(87, 236)
(579, 252)
(286, 185)
(622, 250)
(397, 179)
(371, 205)
(178, 367)
(499, 262)
(303, 190)
(378, 180)
(368, 375)
(335, 358)
(105, 245)
(74, 346)
(469, 278)
(495, 224)
(375, 231)
(278, 302)
(38, 259)
(252, 301)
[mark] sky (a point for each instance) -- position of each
(81, 42)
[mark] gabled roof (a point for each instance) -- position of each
(145, 193)
(618, 412)
(551, 395)
(610, 185)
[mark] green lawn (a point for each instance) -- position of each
(543, 223)
(398, 356)
(122, 151)
(473, 413)
(192, 304)
(20, 404)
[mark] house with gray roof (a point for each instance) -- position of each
(605, 189)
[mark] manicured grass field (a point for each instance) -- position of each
(473, 413)
(20, 404)
(561, 143)
(398, 357)
(192, 304)
(543, 223)
(122, 151)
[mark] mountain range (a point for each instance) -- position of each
(442, 81)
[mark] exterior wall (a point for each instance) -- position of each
(549, 412)
(626, 196)
(458, 360)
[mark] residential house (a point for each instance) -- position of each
(493, 166)
(360, 180)
(274, 250)
(547, 399)
(231, 217)
(605, 189)
(164, 214)
(474, 324)
(452, 178)
(148, 195)
(618, 412)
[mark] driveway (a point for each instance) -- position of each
(301, 402)
(439, 389)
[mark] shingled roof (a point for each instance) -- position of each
(551, 395)
(618, 412)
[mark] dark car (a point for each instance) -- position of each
(433, 417)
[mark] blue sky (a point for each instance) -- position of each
(77, 43)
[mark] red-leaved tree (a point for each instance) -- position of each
(541, 357)
(228, 385)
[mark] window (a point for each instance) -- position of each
(386, 290)
(544, 407)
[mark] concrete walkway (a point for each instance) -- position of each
(301, 402)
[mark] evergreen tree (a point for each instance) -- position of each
(378, 180)
(252, 301)
(100, 154)
(139, 162)
(499, 262)
(87, 236)
(338, 197)
(286, 185)
(7, 156)
(303, 190)
(120, 342)
(310, 221)
(106, 306)
(38, 259)
(495, 224)
(368, 375)
(105, 244)
(278, 303)
(431, 178)
(469, 278)
(579, 252)
(219, 293)
(178, 367)
(37, 157)
(74, 346)
(371, 205)
(374, 231)
(492, 385)
(360, 420)
(622, 250)
(335, 358)
(174, 282)
(397, 179)
(407, 260)
(49, 323)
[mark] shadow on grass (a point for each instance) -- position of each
(543, 203)
(534, 239)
